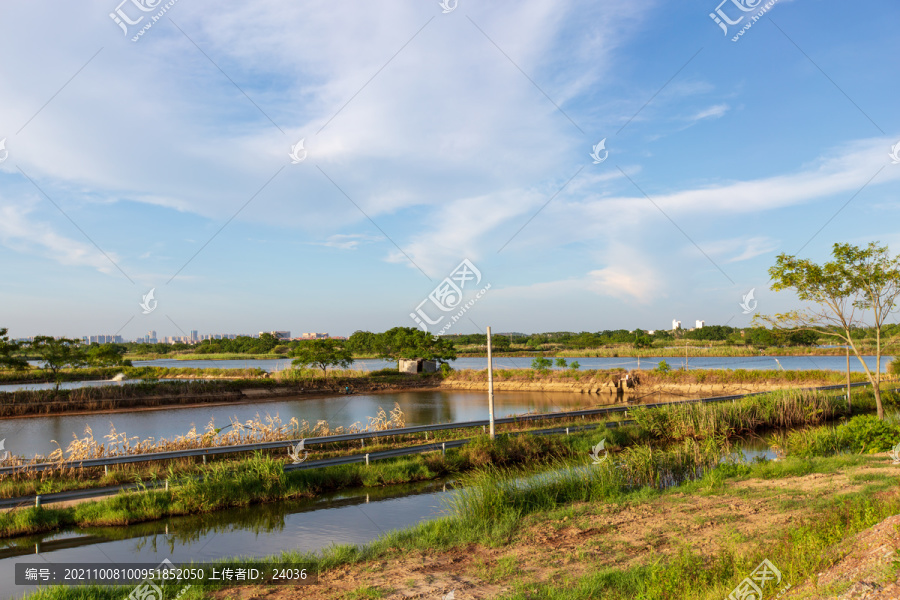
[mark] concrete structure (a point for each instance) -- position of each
(313, 336)
(417, 365)
(699, 324)
(676, 324)
(278, 335)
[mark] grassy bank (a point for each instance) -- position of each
(219, 387)
(589, 377)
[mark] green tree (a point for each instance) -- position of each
(106, 355)
(58, 353)
(561, 363)
(410, 342)
(541, 364)
(321, 354)
(7, 350)
(860, 285)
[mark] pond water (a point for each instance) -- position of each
(354, 517)
(30, 436)
(789, 363)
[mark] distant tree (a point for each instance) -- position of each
(322, 354)
(410, 342)
(561, 363)
(7, 349)
(541, 364)
(106, 355)
(574, 365)
(58, 353)
(642, 341)
(856, 283)
(500, 343)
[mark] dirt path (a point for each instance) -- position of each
(597, 536)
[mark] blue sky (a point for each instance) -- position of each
(430, 138)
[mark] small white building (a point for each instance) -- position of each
(700, 324)
(676, 324)
(416, 365)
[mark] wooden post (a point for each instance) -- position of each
(685, 357)
(490, 382)
(849, 405)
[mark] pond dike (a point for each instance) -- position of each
(192, 392)
(629, 388)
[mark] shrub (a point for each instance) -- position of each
(541, 364)
(662, 367)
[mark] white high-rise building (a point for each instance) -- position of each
(699, 324)
(676, 324)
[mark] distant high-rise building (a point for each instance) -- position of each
(314, 336)
(195, 336)
(676, 324)
(151, 337)
(699, 324)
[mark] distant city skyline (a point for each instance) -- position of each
(594, 165)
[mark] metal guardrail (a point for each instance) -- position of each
(218, 450)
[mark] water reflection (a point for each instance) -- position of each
(355, 517)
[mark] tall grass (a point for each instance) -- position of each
(783, 409)
(499, 495)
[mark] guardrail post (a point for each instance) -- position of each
(204, 459)
(443, 448)
(367, 459)
(105, 470)
(37, 501)
(567, 431)
(167, 485)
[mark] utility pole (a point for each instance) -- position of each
(490, 382)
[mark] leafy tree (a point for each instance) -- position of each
(106, 355)
(561, 363)
(500, 343)
(58, 353)
(642, 341)
(574, 365)
(7, 348)
(410, 342)
(322, 354)
(541, 364)
(858, 283)
(662, 367)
